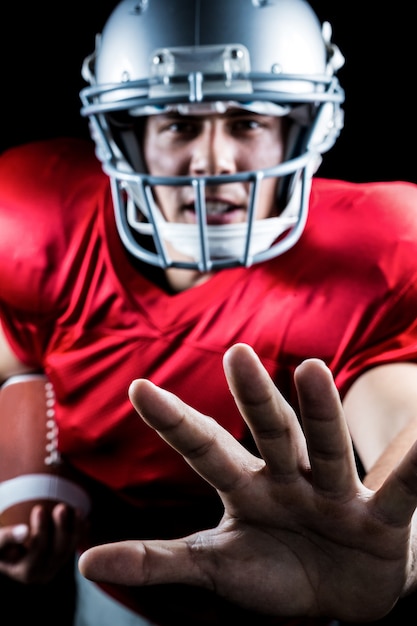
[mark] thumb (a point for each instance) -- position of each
(141, 563)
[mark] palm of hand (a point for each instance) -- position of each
(301, 535)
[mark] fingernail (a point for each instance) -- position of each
(20, 532)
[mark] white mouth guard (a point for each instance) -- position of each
(223, 240)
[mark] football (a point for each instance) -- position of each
(31, 468)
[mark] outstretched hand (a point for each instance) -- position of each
(300, 535)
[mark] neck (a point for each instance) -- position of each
(180, 280)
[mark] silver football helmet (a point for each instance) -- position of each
(270, 56)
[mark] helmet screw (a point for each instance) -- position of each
(235, 53)
(140, 7)
(158, 59)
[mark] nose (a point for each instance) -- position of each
(213, 151)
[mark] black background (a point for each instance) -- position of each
(43, 45)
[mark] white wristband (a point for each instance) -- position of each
(43, 487)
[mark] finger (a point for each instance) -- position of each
(328, 439)
(68, 524)
(141, 563)
(12, 546)
(204, 444)
(273, 423)
(13, 534)
(396, 500)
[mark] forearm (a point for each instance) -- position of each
(376, 476)
(391, 456)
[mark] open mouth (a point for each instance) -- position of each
(218, 212)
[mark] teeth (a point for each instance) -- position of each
(215, 208)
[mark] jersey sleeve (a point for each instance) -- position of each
(47, 198)
(385, 330)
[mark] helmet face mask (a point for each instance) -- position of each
(271, 58)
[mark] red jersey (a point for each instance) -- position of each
(74, 304)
